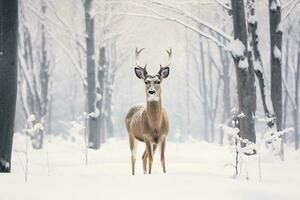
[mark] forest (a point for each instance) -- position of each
(216, 82)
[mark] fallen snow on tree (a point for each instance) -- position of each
(277, 53)
(243, 64)
(275, 4)
(252, 19)
(237, 48)
(279, 28)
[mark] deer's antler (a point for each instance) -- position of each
(137, 53)
(169, 52)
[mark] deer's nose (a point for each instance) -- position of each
(151, 91)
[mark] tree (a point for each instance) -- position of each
(35, 72)
(225, 60)
(93, 112)
(276, 72)
(275, 63)
(244, 71)
(8, 78)
(296, 107)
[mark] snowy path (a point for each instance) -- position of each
(194, 171)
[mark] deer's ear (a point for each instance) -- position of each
(140, 72)
(164, 72)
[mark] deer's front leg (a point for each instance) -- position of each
(149, 150)
(162, 147)
(133, 148)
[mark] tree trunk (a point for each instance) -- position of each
(226, 90)
(204, 91)
(258, 65)
(93, 132)
(276, 74)
(211, 96)
(41, 116)
(8, 78)
(187, 81)
(276, 46)
(296, 108)
(245, 74)
(285, 101)
(100, 89)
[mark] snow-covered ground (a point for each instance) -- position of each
(195, 170)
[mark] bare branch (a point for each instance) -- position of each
(287, 4)
(169, 18)
(34, 11)
(81, 74)
(288, 92)
(193, 18)
(290, 10)
(223, 5)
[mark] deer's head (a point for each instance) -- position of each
(152, 82)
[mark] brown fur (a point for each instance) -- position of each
(150, 125)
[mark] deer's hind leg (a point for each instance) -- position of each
(150, 154)
(145, 158)
(133, 149)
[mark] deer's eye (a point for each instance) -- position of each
(157, 82)
(147, 82)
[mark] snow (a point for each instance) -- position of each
(243, 64)
(241, 115)
(275, 4)
(279, 28)
(98, 96)
(237, 48)
(31, 118)
(195, 170)
(4, 163)
(257, 65)
(92, 115)
(252, 19)
(97, 112)
(277, 53)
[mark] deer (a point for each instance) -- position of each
(149, 124)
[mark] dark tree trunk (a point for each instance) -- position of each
(276, 46)
(8, 78)
(253, 40)
(93, 131)
(276, 74)
(245, 75)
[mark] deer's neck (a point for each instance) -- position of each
(154, 110)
